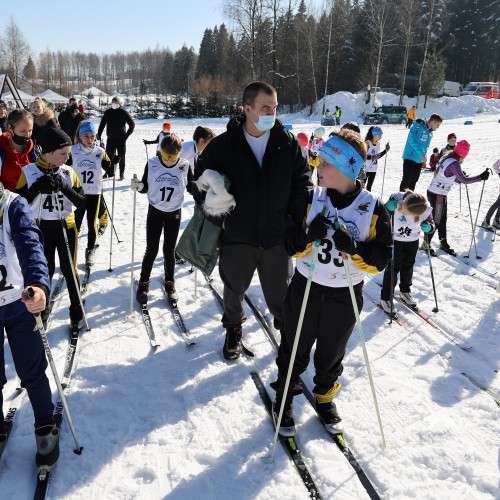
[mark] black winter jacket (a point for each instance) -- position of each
(115, 120)
(264, 196)
(69, 122)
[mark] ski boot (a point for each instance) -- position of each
(486, 225)
(287, 424)
(76, 318)
(142, 292)
(89, 257)
(47, 445)
(327, 410)
(179, 260)
(408, 300)
(443, 245)
(233, 346)
(102, 229)
(385, 305)
(171, 291)
(425, 246)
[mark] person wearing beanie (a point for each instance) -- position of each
(17, 149)
(70, 118)
(352, 228)
(89, 160)
(495, 207)
(448, 172)
(415, 151)
(373, 154)
(24, 261)
(451, 143)
(120, 127)
(52, 190)
(165, 179)
(165, 131)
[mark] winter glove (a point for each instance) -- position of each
(45, 184)
(387, 148)
(484, 176)
(115, 159)
(344, 241)
(426, 227)
(318, 228)
(136, 184)
(145, 141)
(391, 205)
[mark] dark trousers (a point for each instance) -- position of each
(370, 177)
(329, 321)
(53, 240)
(92, 207)
(117, 145)
(411, 174)
(237, 265)
(158, 222)
(439, 204)
(404, 260)
(409, 122)
(30, 363)
(491, 211)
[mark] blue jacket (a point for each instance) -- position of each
(417, 142)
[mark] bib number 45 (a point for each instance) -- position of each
(49, 204)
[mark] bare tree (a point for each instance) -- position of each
(14, 50)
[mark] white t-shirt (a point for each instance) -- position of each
(258, 145)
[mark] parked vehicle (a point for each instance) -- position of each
(386, 114)
(488, 90)
(390, 90)
(449, 89)
(364, 90)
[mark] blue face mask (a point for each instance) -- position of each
(265, 122)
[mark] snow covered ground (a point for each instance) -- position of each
(182, 423)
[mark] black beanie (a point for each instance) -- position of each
(54, 138)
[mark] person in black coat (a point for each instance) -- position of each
(116, 119)
(70, 118)
(267, 172)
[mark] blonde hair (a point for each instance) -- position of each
(415, 203)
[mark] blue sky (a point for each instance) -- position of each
(107, 26)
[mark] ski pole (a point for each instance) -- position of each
(428, 251)
(43, 334)
(361, 335)
(195, 296)
(472, 225)
(147, 156)
(383, 176)
(71, 261)
(111, 218)
(132, 261)
(460, 200)
(392, 270)
(270, 457)
(112, 210)
(475, 222)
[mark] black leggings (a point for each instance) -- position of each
(169, 223)
(439, 204)
(370, 177)
(92, 208)
(495, 206)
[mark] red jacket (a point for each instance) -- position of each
(11, 162)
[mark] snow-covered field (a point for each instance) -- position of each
(182, 423)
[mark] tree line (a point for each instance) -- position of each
(305, 51)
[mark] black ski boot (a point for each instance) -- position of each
(76, 317)
(233, 346)
(171, 291)
(47, 445)
(287, 424)
(142, 292)
(443, 245)
(89, 257)
(327, 410)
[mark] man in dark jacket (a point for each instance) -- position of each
(268, 172)
(116, 118)
(70, 118)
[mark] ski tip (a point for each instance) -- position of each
(78, 451)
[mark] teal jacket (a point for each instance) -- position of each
(417, 142)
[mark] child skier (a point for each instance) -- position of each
(165, 131)
(450, 145)
(447, 173)
(26, 266)
(164, 180)
(496, 206)
(52, 188)
(314, 146)
(412, 213)
(434, 159)
(329, 318)
(373, 154)
(88, 160)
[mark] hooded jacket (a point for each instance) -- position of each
(264, 196)
(12, 162)
(417, 142)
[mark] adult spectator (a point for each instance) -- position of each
(81, 107)
(415, 152)
(267, 172)
(116, 119)
(338, 114)
(3, 117)
(70, 118)
(43, 119)
(411, 116)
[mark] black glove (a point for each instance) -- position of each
(45, 184)
(387, 148)
(318, 228)
(146, 142)
(484, 176)
(344, 242)
(60, 184)
(115, 159)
